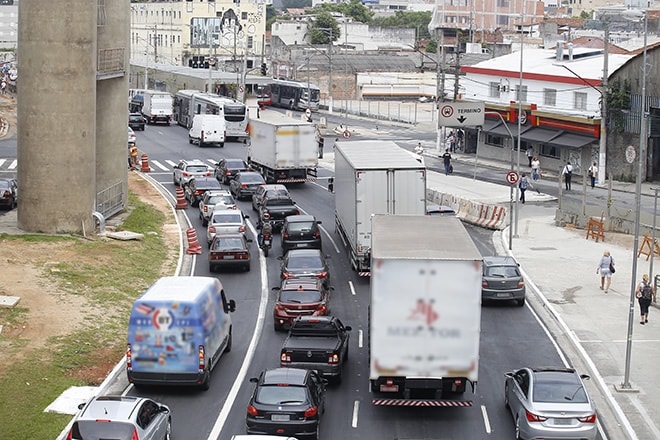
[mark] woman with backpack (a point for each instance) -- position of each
(645, 293)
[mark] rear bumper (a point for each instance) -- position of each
(296, 428)
(170, 379)
(323, 369)
(302, 244)
(502, 295)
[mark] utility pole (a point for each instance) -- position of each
(457, 66)
(155, 44)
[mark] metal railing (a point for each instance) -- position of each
(110, 201)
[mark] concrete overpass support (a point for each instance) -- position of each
(56, 113)
(112, 105)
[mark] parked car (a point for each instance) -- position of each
(301, 231)
(126, 417)
(195, 188)
(263, 190)
(550, 403)
(136, 121)
(502, 280)
(132, 138)
(226, 169)
(221, 199)
(287, 401)
(299, 297)
(225, 221)
(187, 169)
(245, 183)
(305, 263)
(8, 193)
(229, 250)
(440, 210)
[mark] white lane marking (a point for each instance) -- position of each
(13, 164)
(484, 414)
(212, 161)
(356, 410)
(160, 165)
(242, 373)
(360, 338)
(635, 340)
(352, 287)
(2, 161)
(171, 163)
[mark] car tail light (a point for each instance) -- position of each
(135, 435)
(588, 419)
(206, 208)
(228, 173)
(287, 275)
(252, 411)
(208, 174)
(317, 234)
(241, 229)
(279, 308)
(285, 358)
(333, 359)
(129, 357)
(531, 417)
(321, 309)
(186, 174)
(312, 412)
(297, 212)
(285, 235)
(521, 284)
(322, 275)
(212, 229)
(243, 185)
(202, 358)
(484, 283)
(234, 207)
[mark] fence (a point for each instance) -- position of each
(407, 112)
(110, 201)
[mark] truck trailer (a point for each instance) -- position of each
(373, 177)
(157, 106)
(283, 149)
(425, 311)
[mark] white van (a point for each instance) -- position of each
(208, 130)
(178, 330)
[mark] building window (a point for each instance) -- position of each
(494, 140)
(580, 101)
(250, 41)
(244, 15)
(494, 90)
(550, 97)
(521, 94)
(550, 151)
(502, 3)
(503, 20)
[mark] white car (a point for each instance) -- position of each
(131, 136)
(215, 200)
(224, 221)
(187, 169)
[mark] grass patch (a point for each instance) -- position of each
(110, 275)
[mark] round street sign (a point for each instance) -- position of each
(241, 89)
(512, 177)
(630, 154)
(308, 113)
(346, 134)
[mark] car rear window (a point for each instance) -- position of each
(300, 296)
(196, 169)
(225, 200)
(135, 118)
(278, 202)
(553, 388)
(227, 217)
(235, 164)
(502, 271)
(251, 178)
(300, 226)
(305, 262)
(103, 430)
(228, 244)
(277, 193)
(281, 395)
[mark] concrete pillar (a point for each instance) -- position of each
(112, 108)
(56, 113)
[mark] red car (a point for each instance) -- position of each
(299, 297)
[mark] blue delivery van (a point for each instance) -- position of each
(178, 330)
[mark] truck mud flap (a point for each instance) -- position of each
(294, 180)
(312, 173)
(421, 403)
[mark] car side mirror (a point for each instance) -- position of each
(509, 374)
(246, 216)
(232, 305)
(348, 328)
(254, 379)
(276, 288)
(280, 258)
(82, 405)
(585, 377)
(331, 288)
(249, 240)
(164, 409)
(319, 222)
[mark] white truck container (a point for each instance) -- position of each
(425, 312)
(373, 177)
(283, 149)
(157, 106)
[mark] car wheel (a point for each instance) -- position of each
(518, 429)
(247, 267)
(317, 434)
(222, 145)
(168, 430)
(174, 180)
(225, 181)
(190, 140)
(277, 327)
(506, 397)
(520, 302)
(337, 379)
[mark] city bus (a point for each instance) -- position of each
(188, 103)
(293, 95)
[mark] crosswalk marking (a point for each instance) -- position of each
(171, 163)
(160, 165)
(13, 164)
(2, 161)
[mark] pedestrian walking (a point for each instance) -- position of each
(450, 142)
(606, 269)
(645, 293)
(536, 169)
(446, 160)
(530, 155)
(523, 184)
(567, 173)
(593, 174)
(331, 184)
(419, 149)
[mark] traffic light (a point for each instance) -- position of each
(264, 69)
(198, 62)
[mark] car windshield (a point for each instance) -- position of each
(281, 395)
(277, 193)
(304, 263)
(279, 202)
(227, 217)
(196, 168)
(553, 387)
(103, 430)
(502, 271)
(300, 226)
(228, 244)
(224, 200)
(135, 118)
(300, 296)
(251, 178)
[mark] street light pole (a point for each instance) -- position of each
(520, 110)
(602, 145)
(638, 211)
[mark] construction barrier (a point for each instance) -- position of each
(181, 199)
(145, 164)
(596, 229)
(647, 248)
(486, 215)
(193, 243)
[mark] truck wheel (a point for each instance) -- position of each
(222, 145)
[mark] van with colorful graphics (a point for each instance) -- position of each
(178, 330)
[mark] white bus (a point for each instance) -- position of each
(293, 95)
(188, 103)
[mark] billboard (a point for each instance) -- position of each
(222, 31)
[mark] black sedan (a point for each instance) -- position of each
(195, 188)
(226, 169)
(136, 121)
(245, 184)
(287, 402)
(8, 193)
(305, 263)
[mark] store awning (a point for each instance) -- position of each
(540, 135)
(501, 130)
(490, 124)
(572, 140)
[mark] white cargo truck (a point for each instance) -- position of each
(282, 148)
(373, 177)
(157, 106)
(425, 311)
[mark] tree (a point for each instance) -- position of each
(296, 4)
(271, 16)
(432, 47)
(354, 9)
(318, 30)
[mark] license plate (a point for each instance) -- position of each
(302, 245)
(503, 295)
(386, 389)
(563, 421)
(228, 257)
(279, 417)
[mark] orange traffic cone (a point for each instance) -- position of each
(193, 242)
(145, 164)
(181, 199)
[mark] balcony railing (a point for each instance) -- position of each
(110, 63)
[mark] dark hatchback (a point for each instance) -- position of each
(136, 121)
(8, 193)
(229, 251)
(245, 183)
(299, 297)
(195, 188)
(226, 169)
(301, 231)
(502, 281)
(305, 263)
(287, 402)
